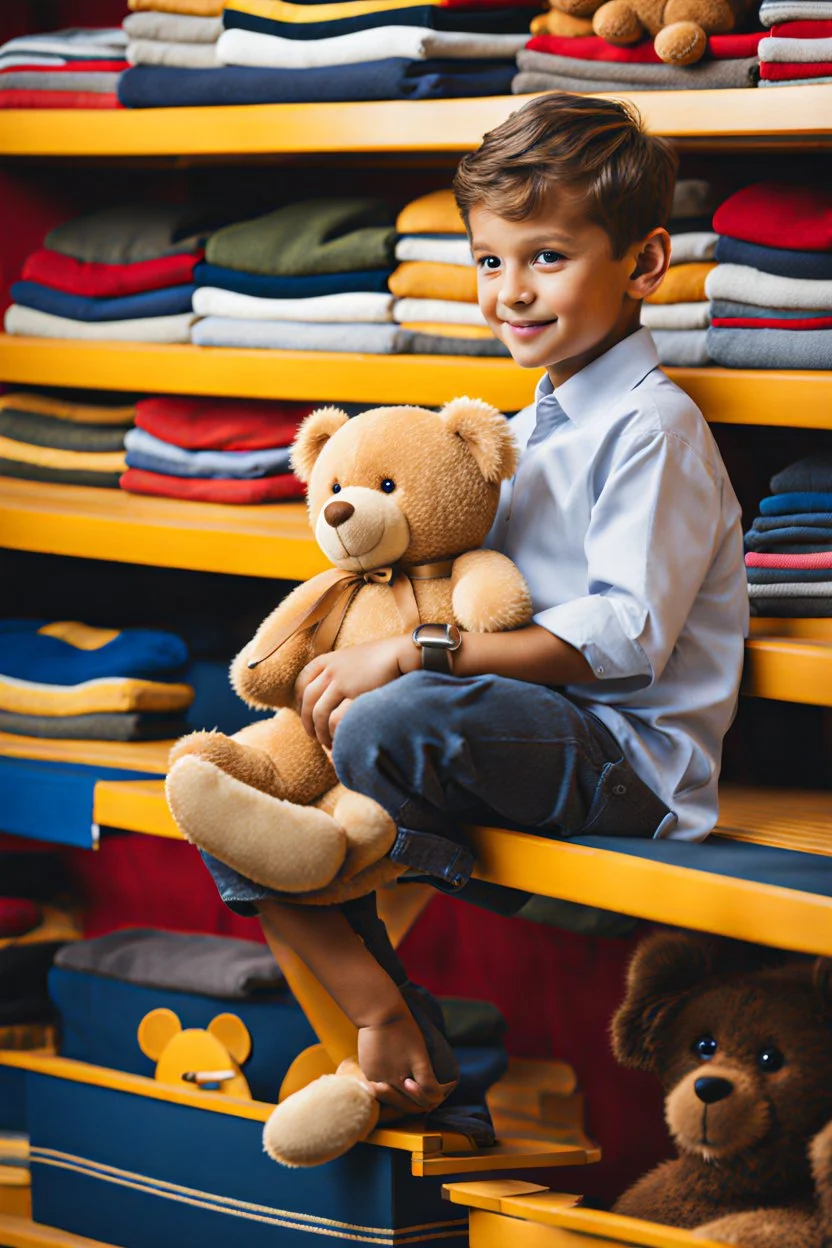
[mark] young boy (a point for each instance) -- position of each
(607, 714)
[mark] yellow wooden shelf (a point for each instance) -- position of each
(24, 1233)
(726, 396)
(269, 540)
(789, 669)
(790, 113)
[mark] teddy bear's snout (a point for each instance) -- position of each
(336, 513)
(711, 1089)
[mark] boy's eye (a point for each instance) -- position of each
(549, 257)
(489, 263)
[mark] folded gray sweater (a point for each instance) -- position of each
(734, 73)
(771, 348)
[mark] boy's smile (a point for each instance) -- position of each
(550, 288)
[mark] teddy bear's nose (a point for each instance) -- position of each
(710, 1089)
(338, 513)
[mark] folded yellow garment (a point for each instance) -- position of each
(683, 283)
(197, 8)
(85, 413)
(91, 697)
(283, 11)
(449, 331)
(81, 636)
(564, 24)
(424, 279)
(48, 457)
(435, 213)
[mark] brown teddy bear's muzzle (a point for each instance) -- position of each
(718, 1114)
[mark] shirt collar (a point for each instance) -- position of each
(602, 383)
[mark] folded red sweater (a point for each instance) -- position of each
(803, 30)
(593, 48)
(73, 67)
(787, 71)
(820, 559)
(108, 281)
(203, 490)
(19, 98)
(203, 424)
(765, 322)
(776, 214)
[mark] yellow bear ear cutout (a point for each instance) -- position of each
(233, 1033)
(313, 436)
(487, 435)
(156, 1030)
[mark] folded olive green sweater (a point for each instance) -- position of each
(311, 237)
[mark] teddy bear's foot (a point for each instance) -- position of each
(322, 1121)
(294, 849)
(681, 43)
(763, 1228)
(370, 831)
(251, 766)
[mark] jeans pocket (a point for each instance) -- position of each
(623, 805)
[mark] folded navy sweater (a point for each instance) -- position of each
(169, 301)
(264, 287)
(814, 265)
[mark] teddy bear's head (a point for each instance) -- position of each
(403, 484)
(741, 1040)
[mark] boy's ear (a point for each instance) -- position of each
(651, 262)
(312, 437)
(487, 435)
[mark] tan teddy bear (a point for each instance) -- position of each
(680, 28)
(741, 1039)
(400, 499)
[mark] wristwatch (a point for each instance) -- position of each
(436, 642)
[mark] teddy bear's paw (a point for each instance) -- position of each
(489, 593)
(370, 831)
(616, 21)
(321, 1122)
(294, 849)
(250, 766)
(763, 1228)
(681, 43)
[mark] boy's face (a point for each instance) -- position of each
(549, 287)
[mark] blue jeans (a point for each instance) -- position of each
(438, 751)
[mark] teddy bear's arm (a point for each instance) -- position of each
(764, 1228)
(272, 683)
(489, 593)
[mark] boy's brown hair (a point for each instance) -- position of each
(597, 149)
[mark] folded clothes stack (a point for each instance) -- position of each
(180, 40)
(799, 47)
(789, 544)
(311, 276)
(60, 439)
(771, 292)
(75, 68)
(68, 680)
(678, 314)
(214, 450)
(587, 64)
(435, 282)
(115, 274)
(277, 51)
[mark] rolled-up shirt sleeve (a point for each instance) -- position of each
(651, 538)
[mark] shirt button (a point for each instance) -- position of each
(619, 789)
(600, 669)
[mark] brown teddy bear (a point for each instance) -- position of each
(741, 1039)
(679, 28)
(400, 499)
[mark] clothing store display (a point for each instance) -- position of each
(69, 409)
(435, 249)
(778, 214)
(172, 27)
(259, 490)
(416, 279)
(783, 262)
(564, 73)
(696, 245)
(770, 348)
(676, 316)
(96, 727)
(224, 331)
(166, 301)
(176, 55)
(262, 286)
(345, 308)
(108, 281)
(683, 283)
(154, 455)
(741, 284)
(682, 348)
(308, 237)
(442, 311)
(27, 697)
(134, 232)
(60, 434)
(28, 321)
(199, 424)
(434, 213)
(243, 47)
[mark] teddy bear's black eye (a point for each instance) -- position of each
(770, 1060)
(388, 486)
(336, 489)
(705, 1047)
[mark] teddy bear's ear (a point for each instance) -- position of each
(487, 435)
(233, 1033)
(312, 437)
(156, 1030)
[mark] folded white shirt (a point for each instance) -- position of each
(742, 284)
(676, 315)
(8, 62)
(435, 249)
(697, 245)
(437, 312)
(74, 41)
(29, 321)
(776, 48)
(173, 27)
(245, 47)
(346, 308)
(177, 55)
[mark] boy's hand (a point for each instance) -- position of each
(394, 1061)
(327, 686)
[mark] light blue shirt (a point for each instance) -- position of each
(625, 525)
